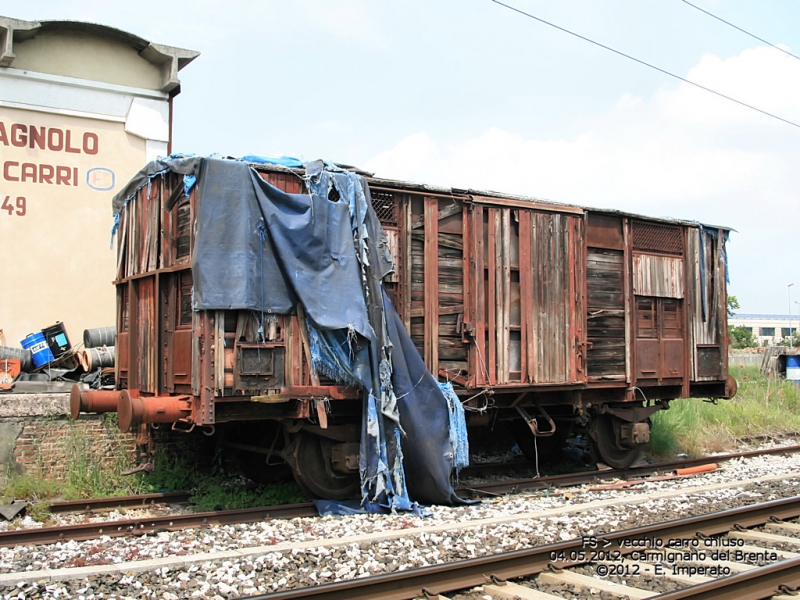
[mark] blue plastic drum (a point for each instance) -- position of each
(40, 351)
(793, 368)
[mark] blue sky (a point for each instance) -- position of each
(469, 94)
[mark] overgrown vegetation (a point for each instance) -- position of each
(218, 486)
(763, 406)
(213, 484)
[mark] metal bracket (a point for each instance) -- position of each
(147, 467)
(175, 427)
(531, 421)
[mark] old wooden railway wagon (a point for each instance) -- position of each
(547, 318)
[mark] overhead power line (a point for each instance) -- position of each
(755, 37)
(647, 64)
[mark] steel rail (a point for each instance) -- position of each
(147, 525)
(755, 584)
(569, 479)
(140, 501)
(440, 579)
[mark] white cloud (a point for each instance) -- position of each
(682, 153)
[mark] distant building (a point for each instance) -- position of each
(768, 329)
(82, 108)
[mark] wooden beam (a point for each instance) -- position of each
(431, 276)
(491, 290)
(525, 298)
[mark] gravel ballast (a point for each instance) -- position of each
(238, 560)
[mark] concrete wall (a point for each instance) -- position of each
(751, 359)
(86, 56)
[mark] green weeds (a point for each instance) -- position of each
(212, 483)
(763, 406)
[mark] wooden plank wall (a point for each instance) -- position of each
(660, 276)
(706, 331)
(452, 350)
(528, 286)
(605, 300)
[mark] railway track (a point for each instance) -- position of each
(555, 563)
(586, 477)
(154, 524)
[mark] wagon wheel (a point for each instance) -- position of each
(543, 447)
(606, 445)
(313, 471)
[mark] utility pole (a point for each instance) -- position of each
(789, 291)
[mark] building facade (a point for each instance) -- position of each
(767, 329)
(82, 108)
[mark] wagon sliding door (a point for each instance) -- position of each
(527, 279)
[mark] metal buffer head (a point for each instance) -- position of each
(92, 401)
(153, 409)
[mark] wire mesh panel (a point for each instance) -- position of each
(654, 237)
(385, 207)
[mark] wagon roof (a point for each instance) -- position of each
(493, 195)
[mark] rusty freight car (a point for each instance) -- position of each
(546, 318)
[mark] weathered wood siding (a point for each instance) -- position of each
(660, 276)
(605, 307)
(527, 277)
(708, 303)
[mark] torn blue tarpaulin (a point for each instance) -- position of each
(284, 161)
(346, 508)
(261, 249)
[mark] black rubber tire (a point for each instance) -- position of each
(605, 447)
(313, 471)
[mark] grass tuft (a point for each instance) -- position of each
(763, 406)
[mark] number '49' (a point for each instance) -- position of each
(20, 207)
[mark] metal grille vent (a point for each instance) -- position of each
(385, 207)
(657, 238)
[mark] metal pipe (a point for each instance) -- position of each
(92, 401)
(154, 409)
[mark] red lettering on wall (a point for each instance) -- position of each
(40, 173)
(19, 135)
(90, 143)
(49, 138)
(62, 175)
(55, 139)
(68, 146)
(28, 172)
(37, 137)
(7, 168)
(46, 174)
